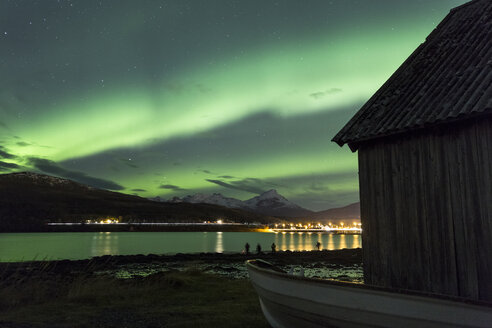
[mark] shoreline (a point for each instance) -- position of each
(166, 228)
(182, 290)
(141, 228)
(321, 264)
(351, 255)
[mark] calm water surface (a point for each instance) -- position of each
(82, 245)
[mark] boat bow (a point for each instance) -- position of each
(293, 301)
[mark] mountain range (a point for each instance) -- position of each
(273, 204)
(28, 200)
(268, 203)
(350, 212)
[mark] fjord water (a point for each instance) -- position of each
(83, 245)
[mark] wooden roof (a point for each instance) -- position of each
(447, 78)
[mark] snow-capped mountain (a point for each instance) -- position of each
(270, 198)
(272, 203)
(216, 199)
(268, 203)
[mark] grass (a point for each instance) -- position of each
(42, 294)
(173, 299)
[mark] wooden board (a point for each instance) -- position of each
(426, 210)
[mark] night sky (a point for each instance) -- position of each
(179, 97)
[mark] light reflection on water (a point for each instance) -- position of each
(80, 245)
(343, 242)
(219, 246)
(307, 241)
(292, 244)
(104, 243)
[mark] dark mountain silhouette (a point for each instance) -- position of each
(335, 215)
(268, 203)
(273, 204)
(29, 200)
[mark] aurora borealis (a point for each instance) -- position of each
(177, 97)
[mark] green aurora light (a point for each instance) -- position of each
(164, 106)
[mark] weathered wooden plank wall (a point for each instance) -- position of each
(426, 210)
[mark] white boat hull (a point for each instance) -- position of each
(293, 301)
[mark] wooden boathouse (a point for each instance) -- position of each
(424, 143)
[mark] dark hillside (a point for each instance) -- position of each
(350, 212)
(28, 200)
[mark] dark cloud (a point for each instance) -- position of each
(252, 185)
(171, 187)
(4, 166)
(206, 171)
(226, 177)
(23, 144)
(316, 186)
(51, 167)
(224, 184)
(138, 189)
(321, 94)
(5, 154)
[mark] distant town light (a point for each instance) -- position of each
(341, 227)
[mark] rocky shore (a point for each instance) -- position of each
(179, 290)
(341, 264)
